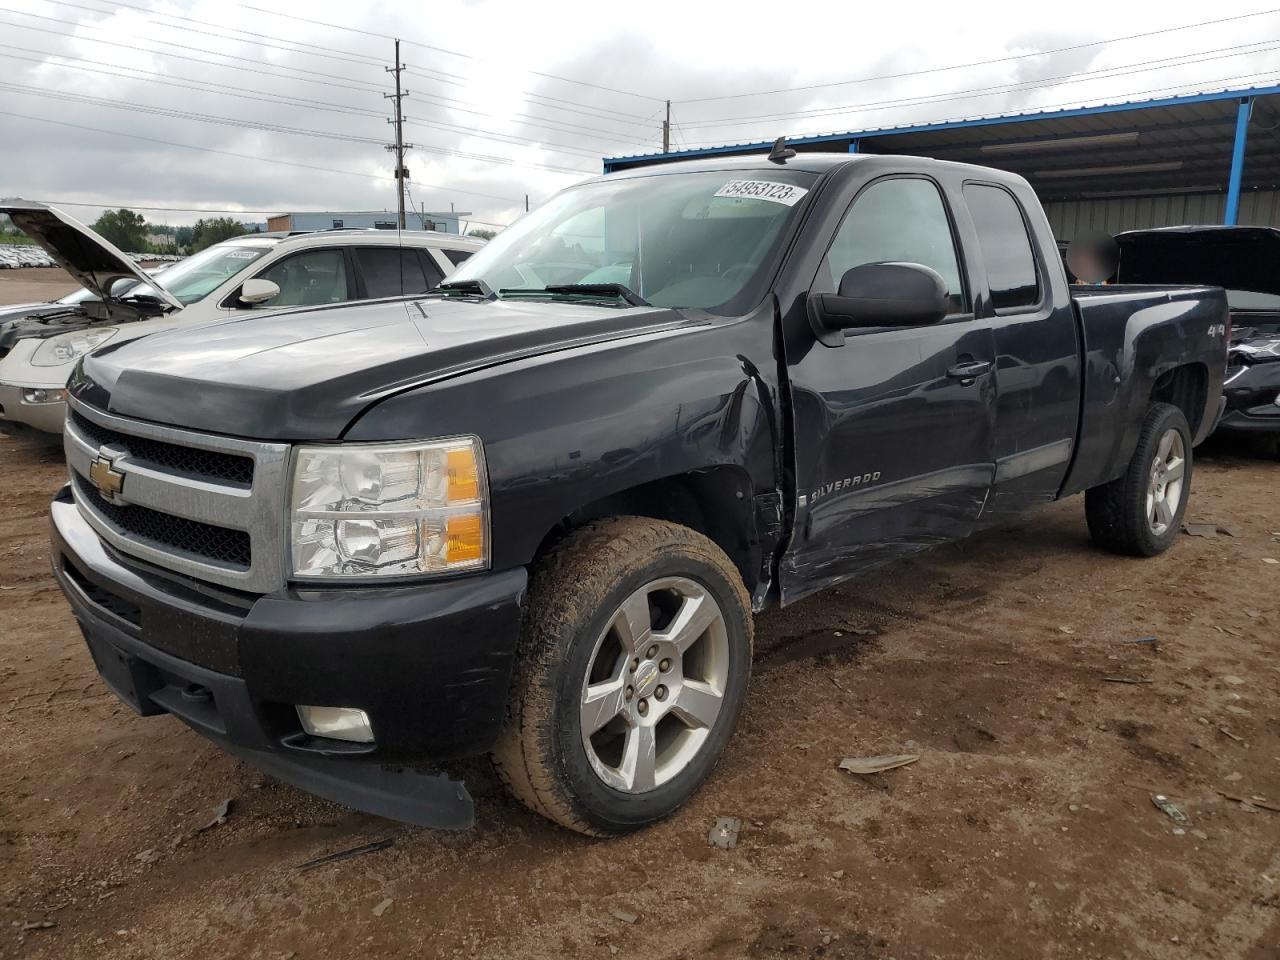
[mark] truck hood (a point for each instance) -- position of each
(306, 374)
(1237, 258)
(94, 262)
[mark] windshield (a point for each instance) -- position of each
(199, 275)
(693, 240)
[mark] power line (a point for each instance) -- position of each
(325, 51)
(26, 90)
(359, 59)
(183, 114)
(371, 88)
(247, 156)
(558, 126)
(286, 100)
(984, 63)
(454, 53)
(124, 204)
(1131, 97)
(243, 93)
(1041, 82)
(116, 44)
(583, 150)
(366, 88)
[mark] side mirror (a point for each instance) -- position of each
(258, 291)
(880, 295)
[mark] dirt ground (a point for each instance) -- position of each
(1026, 829)
(35, 284)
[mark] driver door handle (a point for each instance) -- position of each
(969, 371)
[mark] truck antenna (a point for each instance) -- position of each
(781, 153)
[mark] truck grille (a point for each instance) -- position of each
(203, 505)
(216, 544)
(207, 464)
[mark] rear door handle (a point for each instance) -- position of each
(969, 371)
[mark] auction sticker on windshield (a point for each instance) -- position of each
(784, 193)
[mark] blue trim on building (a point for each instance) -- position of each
(1243, 111)
(853, 135)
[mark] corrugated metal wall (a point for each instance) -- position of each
(1072, 217)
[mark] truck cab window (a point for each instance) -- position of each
(901, 220)
(1006, 246)
(308, 279)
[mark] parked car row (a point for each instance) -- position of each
(13, 256)
(250, 274)
(369, 521)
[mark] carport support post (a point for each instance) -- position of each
(1237, 162)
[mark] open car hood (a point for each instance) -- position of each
(1237, 258)
(91, 259)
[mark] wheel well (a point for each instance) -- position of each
(1186, 388)
(716, 502)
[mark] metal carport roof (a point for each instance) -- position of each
(1224, 142)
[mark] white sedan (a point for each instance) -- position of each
(255, 272)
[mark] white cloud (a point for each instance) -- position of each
(504, 87)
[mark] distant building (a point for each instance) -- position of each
(364, 219)
(157, 240)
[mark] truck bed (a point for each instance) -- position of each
(1132, 336)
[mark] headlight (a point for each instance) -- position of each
(389, 510)
(66, 347)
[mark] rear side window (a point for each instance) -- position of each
(392, 272)
(898, 221)
(456, 256)
(1006, 247)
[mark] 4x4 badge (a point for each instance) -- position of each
(108, 480)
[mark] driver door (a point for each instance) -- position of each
(893, 445)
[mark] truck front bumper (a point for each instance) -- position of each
(46, 417)
(429, 664)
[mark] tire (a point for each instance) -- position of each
(577, 634)
(1125, 516)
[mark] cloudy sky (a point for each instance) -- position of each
(220, 106)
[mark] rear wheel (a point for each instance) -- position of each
(1140, 513)
(635, 657)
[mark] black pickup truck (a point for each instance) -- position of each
(531, 513)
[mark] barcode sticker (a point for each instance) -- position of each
(784, 193)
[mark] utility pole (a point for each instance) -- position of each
(666, 130)
(399, 147)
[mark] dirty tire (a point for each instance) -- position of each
(1117, 511)
(574, 592)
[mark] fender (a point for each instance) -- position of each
(569, 428)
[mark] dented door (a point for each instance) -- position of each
(893, 429)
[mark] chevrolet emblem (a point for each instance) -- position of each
(104, 476)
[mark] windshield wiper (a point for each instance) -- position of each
(467, 288)
(619, 290)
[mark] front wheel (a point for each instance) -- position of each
(1140, 513)
(634, 661)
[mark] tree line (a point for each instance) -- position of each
(131, 233)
